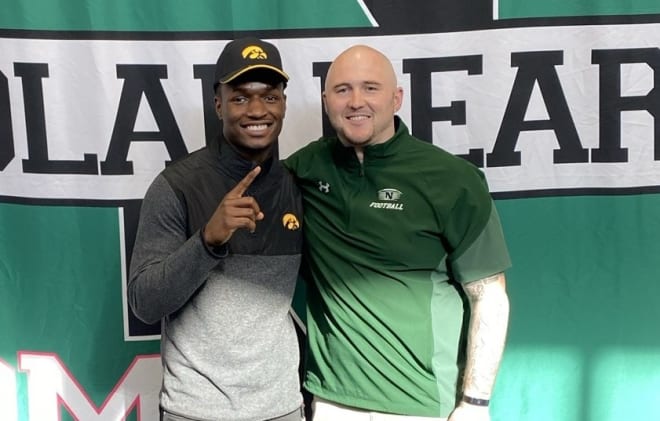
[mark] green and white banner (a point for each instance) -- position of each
(559, 104)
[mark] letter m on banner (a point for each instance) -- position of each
(52, 388)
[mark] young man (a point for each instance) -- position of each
(217, 253)
(397, 231)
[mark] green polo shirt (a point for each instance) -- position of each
(387, 241)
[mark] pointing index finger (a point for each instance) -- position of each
(242, 186)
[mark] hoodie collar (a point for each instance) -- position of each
(229, 162)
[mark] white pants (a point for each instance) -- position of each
(323, 410)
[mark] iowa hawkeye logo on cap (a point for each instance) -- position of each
(254, 52)
(245, 55)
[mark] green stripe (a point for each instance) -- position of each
(60, 292)
(179, 15)
(584, 254)
(509, 9)
(584, 316)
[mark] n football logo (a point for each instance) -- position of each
(389, 194)
(388, 199)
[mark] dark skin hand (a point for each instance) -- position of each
(235, 211)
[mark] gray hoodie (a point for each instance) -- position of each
(228, 343)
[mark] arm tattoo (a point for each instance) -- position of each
(476, 288)
(489, 313)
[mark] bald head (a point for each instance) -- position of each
(361, 56)
(361, 97)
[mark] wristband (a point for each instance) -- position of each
(475, 401)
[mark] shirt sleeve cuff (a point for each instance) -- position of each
(218, 252)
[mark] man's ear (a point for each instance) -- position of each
(398, 98)
(218, 106)
(325, 106)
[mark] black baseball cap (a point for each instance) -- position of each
(245, 54)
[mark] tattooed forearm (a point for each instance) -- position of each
(475, 290)
(489, 315)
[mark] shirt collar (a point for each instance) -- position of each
(345, 155)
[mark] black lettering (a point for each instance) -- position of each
(422, 111)
(35, 124)
(7, 152)
(136, 327)
(612, 103)
(320, 69)
(139, 80)
(537, 67)
(206, 73)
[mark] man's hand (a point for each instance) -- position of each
(234, 211)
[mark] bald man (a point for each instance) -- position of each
(397, 233)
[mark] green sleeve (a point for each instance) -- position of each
(486, 255)
(473, 231)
